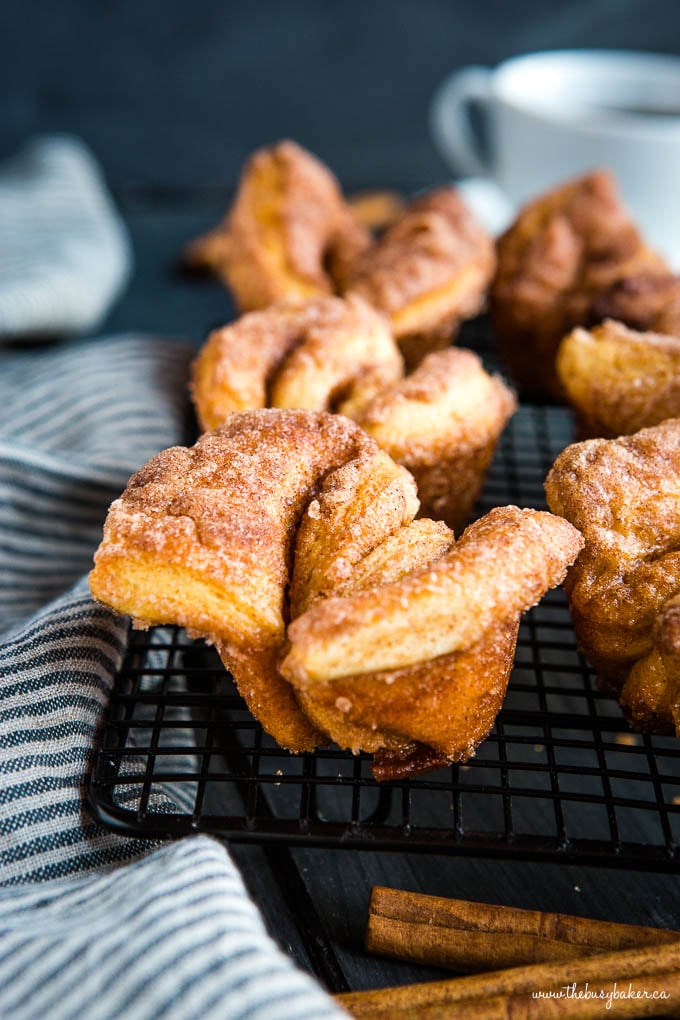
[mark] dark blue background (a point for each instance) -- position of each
(176, 93)
(172, 95)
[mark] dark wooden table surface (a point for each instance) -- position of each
(172, 97)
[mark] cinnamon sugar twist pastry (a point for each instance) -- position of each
(288, 223)
(287, 539)
(290, 235)
(428, 272)
(564, 250)
(623, 590)
(618, 380)
(442, 422)
(309, 355)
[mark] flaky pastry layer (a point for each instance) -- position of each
(443, 422)
(501, 565)
(624, 496)
(203, 537)
(288, 221)
(293, 355)
(620, 381)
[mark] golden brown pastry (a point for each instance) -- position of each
(501, 565)
(291, 236)
(624, 496)
(288, 220)
(564, 249)
(202, 537)
(295, 514)
(619, 381)
(650, 696)
(442, 422)
(429, 271)
(647, 302)
(307, 355)
(420, 718)
(415, 668)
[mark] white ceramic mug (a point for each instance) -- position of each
(552, 116)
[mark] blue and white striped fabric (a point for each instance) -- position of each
(75, 422)
(91, 924)
(64, 253)
(172, 937)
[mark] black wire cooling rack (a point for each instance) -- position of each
(560, 778)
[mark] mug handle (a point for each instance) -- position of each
(450, 124)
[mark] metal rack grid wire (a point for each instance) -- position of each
(559, 778)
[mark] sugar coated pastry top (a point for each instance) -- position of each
(290, 235)
(428, 271)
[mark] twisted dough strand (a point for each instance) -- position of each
(501, 565)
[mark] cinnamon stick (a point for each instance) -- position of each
(470, 936)
(640, 982)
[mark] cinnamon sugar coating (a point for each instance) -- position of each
(650, 695)
(624, 496)
(299, 355)
(287, 221)
(450, 703)
(562, 252)
(357, 508)
(618, 380)
(429, 271)
(354, 658)
(291, 236)
(281, 515)
(442, 422)
(501, 565)
(203, 537)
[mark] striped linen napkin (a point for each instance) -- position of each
(91, 924)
